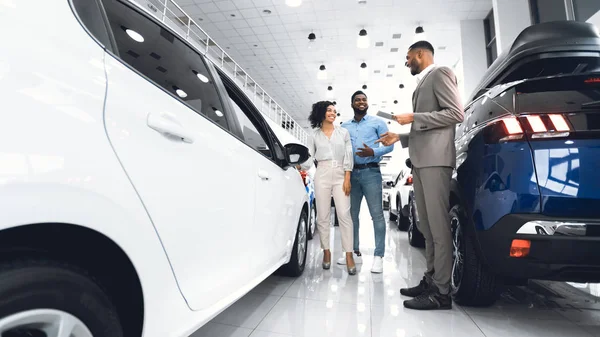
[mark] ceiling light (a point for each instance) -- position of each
(401, 86)
(322, 74)
(267, 11)
(395, 101)
(362, 2)
(363, 72)
(329, 88)
(180, 92)
(218, 112)
(363, 39)
(201, 77)
(293, 3)
(134, 35)
(364, 87)
(420, 34)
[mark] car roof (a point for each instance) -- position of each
(548, 37)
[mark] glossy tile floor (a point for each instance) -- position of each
(331, 303)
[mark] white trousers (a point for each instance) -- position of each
(329, 181)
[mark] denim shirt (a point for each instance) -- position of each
(367, 131)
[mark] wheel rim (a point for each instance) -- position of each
(398, 213)
(43, 323)
(313, 220)
(301, 241)
(411, 220)
(457, 254)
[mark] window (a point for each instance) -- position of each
(92, 18)
(547, 10)
(490, 38)
(252, 136)
(165, 59)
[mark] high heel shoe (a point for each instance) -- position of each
(326, 265)
(352, 271)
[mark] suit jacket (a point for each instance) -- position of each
(437, 109)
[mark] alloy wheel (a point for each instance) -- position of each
(411, 220)
(43, 323)
(313, 220)
(301, 241)
(398, 222)
(457, 254)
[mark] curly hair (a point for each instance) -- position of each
(317, 115)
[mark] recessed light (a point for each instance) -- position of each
(391, 66)
(362, 2)
(442, 47)
(401, 86)
(218, 112)
(378, 44)
(133, 34)
(377, 71)
(267, 11)
(394, 50)
(293, 3)
(201, 77)
(364, 87)
(396, 36)
(180, 92)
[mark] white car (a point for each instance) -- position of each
(399, 197)
(118, 143)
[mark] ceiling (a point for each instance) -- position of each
(275, 50)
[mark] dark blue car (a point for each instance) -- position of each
(525, 201)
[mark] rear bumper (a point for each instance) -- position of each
(562, 249)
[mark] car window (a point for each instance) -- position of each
(165, 59)
(92, 18)
(250, 126)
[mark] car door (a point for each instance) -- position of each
(166, 122)
(271, 205)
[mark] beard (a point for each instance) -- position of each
(357, 111)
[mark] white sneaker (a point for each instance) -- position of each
(377, 265)
(342, 260)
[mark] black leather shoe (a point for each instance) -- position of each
(430, 300)
(416, 290)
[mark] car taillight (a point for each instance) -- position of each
(537, 126)
(409, 181)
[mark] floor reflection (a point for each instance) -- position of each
(325, 303)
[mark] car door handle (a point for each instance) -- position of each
(264, 175)
(169, 126)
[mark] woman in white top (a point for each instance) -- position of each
(331, 149)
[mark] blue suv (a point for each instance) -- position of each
(525, 201)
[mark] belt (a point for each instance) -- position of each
(364, 166)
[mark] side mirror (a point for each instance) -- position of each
(296, 153)
(408, 163)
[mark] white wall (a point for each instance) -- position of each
(511, 17)
(595, 19)
(474, 58)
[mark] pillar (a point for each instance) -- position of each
(510, 18)
(474, 57)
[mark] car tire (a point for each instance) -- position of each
(38, 295)
(312, 221)
(471, 282)
(297, 262)
(415, 237)
(401, 221)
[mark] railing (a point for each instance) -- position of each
(174, 16)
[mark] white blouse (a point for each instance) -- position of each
(338, 148)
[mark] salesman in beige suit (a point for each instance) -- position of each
(437, 109)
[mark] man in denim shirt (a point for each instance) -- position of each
(366, 177)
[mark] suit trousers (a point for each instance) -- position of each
(432, 195)
(329, 181)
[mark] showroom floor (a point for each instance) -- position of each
(330, 303)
